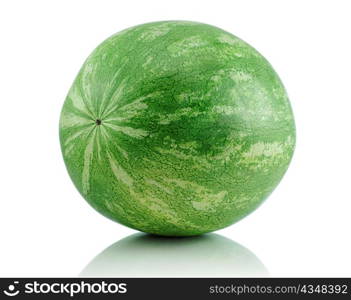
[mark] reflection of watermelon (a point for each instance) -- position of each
(141, 255)
(176, 128)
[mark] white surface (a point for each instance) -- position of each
(47, 229)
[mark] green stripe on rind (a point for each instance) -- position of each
(196, 129)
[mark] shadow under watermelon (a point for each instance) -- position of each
(143, 255)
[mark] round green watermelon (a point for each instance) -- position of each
(176, 128)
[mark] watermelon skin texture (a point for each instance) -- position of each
(176, 128)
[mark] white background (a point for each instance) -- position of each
(47, 229)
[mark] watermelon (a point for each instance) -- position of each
(176, 128)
